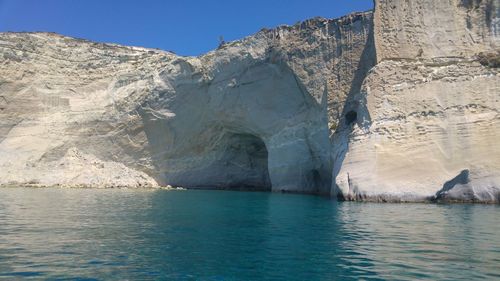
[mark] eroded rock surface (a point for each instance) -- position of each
(428, 122)
(397, 105)
(426, 29)
(252, 113)
(421, 126)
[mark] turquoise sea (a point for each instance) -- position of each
(90, 234)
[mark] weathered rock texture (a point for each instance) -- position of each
(252, 113)
(397, 105)
(428, 121)
(427, 29)
(421, 126)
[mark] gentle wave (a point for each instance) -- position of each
(84, 234)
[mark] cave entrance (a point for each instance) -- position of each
(245, 163)
(351, 117)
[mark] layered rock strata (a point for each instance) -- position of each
(396, 105)
(428, 113)
(252, 113)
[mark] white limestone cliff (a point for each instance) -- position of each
(252, 113)
(428, 121)
(422, 126)
(397, 105)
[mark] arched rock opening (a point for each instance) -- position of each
(244, 163)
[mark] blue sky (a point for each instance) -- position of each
(187, 27)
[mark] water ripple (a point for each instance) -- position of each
(61, 234)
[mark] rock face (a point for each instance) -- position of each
(422, 126)
(400, 104)
(428, 117)
(252, 113)
(428, 29)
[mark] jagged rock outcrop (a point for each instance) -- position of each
(428, 117)
(251, 113)
(396, 105)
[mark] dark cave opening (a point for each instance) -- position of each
(245, 163)
(351, 117)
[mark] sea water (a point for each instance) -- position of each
(91, 234)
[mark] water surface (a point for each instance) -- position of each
(68, 234)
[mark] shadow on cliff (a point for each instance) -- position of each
(461, 179)
(354, 110)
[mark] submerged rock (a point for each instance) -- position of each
(385, 106)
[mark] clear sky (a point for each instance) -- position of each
(187, 27)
